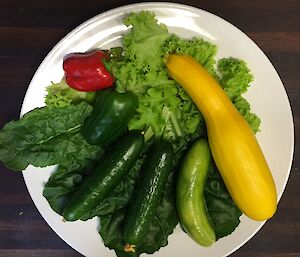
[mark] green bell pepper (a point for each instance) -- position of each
(109, 119)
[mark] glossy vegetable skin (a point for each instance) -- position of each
(87, 72)
(106, 176)
(190, 202)
(154, 174)
(111, 114)
(234, 147)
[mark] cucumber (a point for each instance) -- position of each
(190, 201)
(149, 191)
(105, 177)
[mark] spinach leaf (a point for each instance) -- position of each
(45, 136)
(65, 179)
(221, 208)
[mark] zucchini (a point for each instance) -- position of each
(233, 144)
(154, 175)
(190, 201)
(105, 177)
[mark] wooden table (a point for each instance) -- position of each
(29, 29)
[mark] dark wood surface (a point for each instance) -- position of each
(28, 31)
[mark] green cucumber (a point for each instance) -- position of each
(153, 177)
(106, 176)
(190, 202)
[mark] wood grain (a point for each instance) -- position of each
(28, 31)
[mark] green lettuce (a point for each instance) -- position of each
(61, 95)
(244, 108)
(141, 65)
(202, 51)
(235, 76)
(143, 43)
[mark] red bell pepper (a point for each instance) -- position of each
(87, 72)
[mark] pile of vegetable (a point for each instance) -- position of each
(134, 142)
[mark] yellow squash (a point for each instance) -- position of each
(233, 144)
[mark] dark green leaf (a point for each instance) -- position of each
(222, 210)
(65, 179)
(44, 136)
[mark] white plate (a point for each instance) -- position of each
(267, 97)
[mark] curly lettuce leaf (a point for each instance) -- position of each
(44, 136)
(143, 43)
(164, 109)
(244, 108)
(235, 76)
(61, 95)
(141, 65)
(202, 51)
